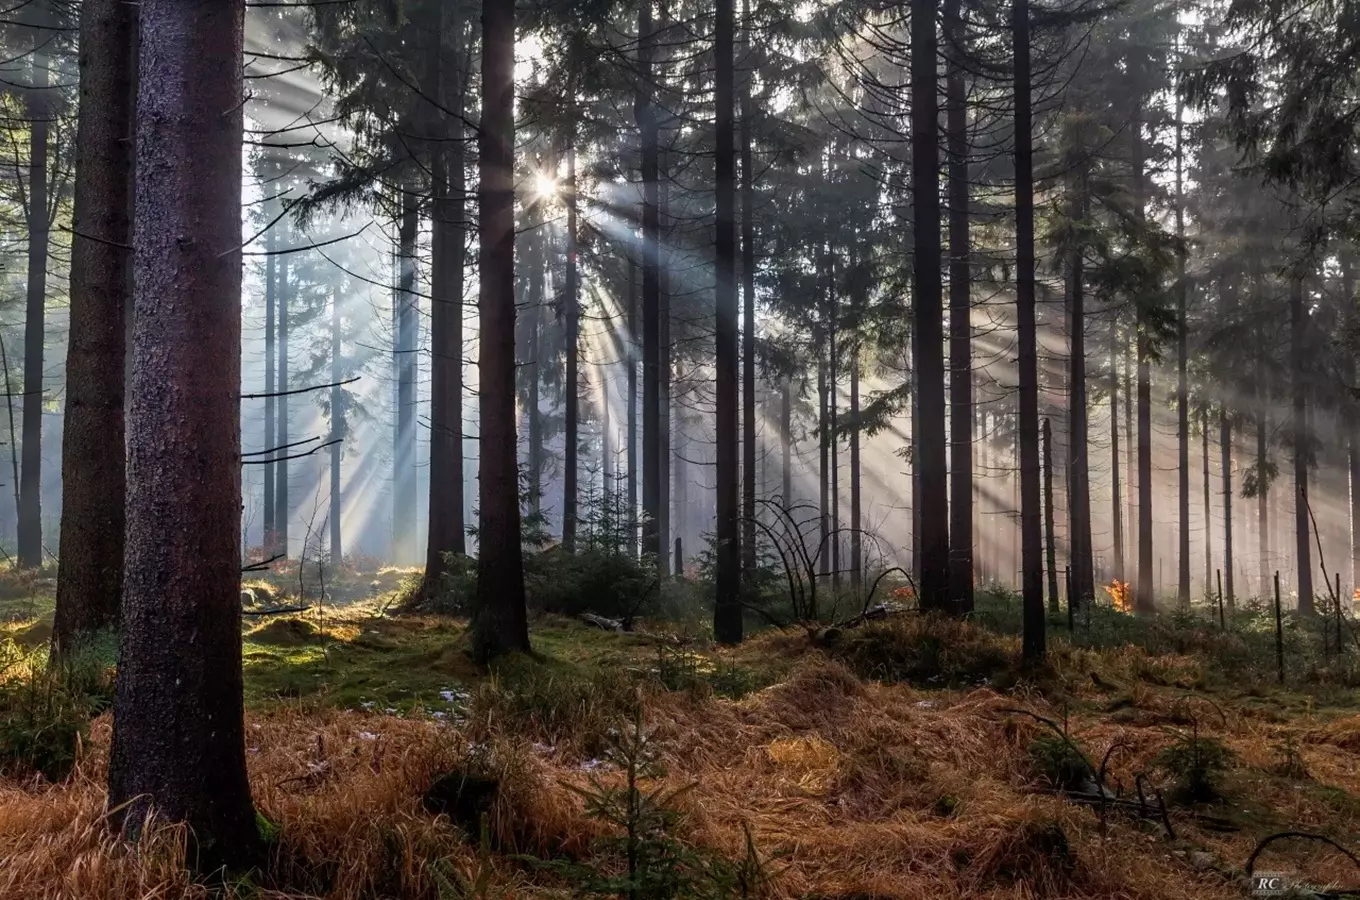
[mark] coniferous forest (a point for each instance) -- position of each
(799, 449)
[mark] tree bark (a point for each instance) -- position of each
(748, 289)
(39, 226)
(337, 549)
(537, 273)
(178, 730)
(1225, 448)
(928, 311)
(1144, 601)
(1083, 584)
(1050, 542)
(1208, 506)
(652, 423)
(500, 620)
(271, 352)
(90, 580)
(281, 502)
(856, 517)
(1182, 375)
(571, 451)
(1028, 433)
(1116, 490)
(727, 616)
(960, 318)
(1298, 331)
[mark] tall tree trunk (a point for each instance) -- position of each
(833, 438)
(1028, 431)
(631, 456)
(446, 532)
(1352, 425)
(1182, 374)
(1225, 448)
(1083, 585)
(90, 581)
(178, 729)
(39, 225)
(1050, 542)
(663, 503)
(1208, 505)
(281, 502)
(1130, 460)
(1298, 332)
(823, 474)
(500, 620)
(1116, 495)
(960, 318)
(271, 350)
(404, 478)
(1145, 601)
(570, 480)
(928, 311)
(1263, 486)
(337, 434)
(727, 618)
(856, 517)
(652, 423)
(748, 289)
(537, 266)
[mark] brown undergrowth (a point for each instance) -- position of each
(849, 788)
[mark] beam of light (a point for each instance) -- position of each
(545, 186)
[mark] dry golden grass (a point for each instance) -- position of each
(853, 789)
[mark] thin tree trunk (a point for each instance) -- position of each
(1225, 448)
(90, 580)
(928, 312)
(652, 423)
(1264, 485)
(1116, 491)
(786, 441)
(1131, 463)
(1182, 374)
(500, 620)
(570, 480)
(1028, 431)
(271, 350)
(537, 272)
(30, 485)
(178, 730)
(823, 474)
(856, 517)
(833, 439)
(281, 502)
(404, 478)
(1145, 591)
(1208, 506)
(663, 503)
(727, 617)
(337, 434)
(1298, 330)
(1083, 585)
(960, 318)
(748, 287)
(1050, 542)
(631, 456)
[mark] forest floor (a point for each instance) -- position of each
(910, 758)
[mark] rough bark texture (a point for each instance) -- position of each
(500, 621)
(1028, 432)
(90, 581)
(960, 319)
(927, 302)
(727, 617)
(39, 225)
(1208, 504)
(1298, 331)
(446, 526)
(178, 730)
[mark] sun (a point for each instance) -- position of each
(545, 185)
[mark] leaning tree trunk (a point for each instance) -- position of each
(1028, 433)
(90, 580)
(1298, 330)
(178, 731)
(39, 225)
(928, 311)
(500, 621)
(960, 319)
(727, 616)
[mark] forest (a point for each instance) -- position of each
(719, 449)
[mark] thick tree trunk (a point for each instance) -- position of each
(1131, 463)
(337, 548)
(727, 616)
(1083, 584)
(500, 620)
(1050, 542)
(281, 502)
(571, 452)
(748, 290)
(1225, 448)
(960, 319)
(178, 730)
(408, 321)
(447, 532)
(1028, 432)
(928, 311)
(1298, 331)
(90, 580)
(39, 225)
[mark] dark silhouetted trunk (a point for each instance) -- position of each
(652, 422)
(337, 434)
(90, 580)
(178, 731)
(928, 311)
(1083, 584)
(447, 531)
(408, 321)
(39, 225)
(833, 438)
(281, 502)
(1298, 347)
(1264, 486)
(823, 474)
(1028, 432)
(1208, 506)
(786, 442)
(960, 319)
(727, 617)
(500, 620)
(630, 355)
(856, 517)
(1050, 542)
(535, 366)
(1225, 448)
(571, 452)
(748, 290)
(1145, 600)
(1182, 378)
(1116, 490)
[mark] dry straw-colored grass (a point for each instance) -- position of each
(851, 789)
